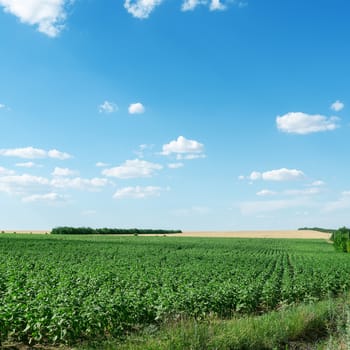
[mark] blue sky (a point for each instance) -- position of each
(192, 114)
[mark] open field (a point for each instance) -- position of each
(65, 289)
(290, 234)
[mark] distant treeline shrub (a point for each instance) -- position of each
(66, 230)
(320, 229)
(341, 239)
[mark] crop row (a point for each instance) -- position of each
(56, 289)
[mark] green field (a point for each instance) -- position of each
(68, 289)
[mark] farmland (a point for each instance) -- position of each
(67, 289)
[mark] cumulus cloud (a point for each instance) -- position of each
(303, 123)
(216, 5)
(133, 169)
(47, 15)
(47, 197)
(136, 108)
(184, 148)
(63, 172)
(108, 107)
(141, 8)
(138, 192)
(282, 174)
(337, 106)
(34, 153)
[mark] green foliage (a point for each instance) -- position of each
(341, 239)
(67, 289)
(66, 230)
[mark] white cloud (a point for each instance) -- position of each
(2, 106)
(277, 175)
(216, 5)
(108, 107)
(136, 108)
(255, 175)
(133, 169)
(303, 123)
(58, 155)
(101, 164)
(47, 15)
(241, 177)
(79, 183)
(141, 8)
(184, 148)
(19, 184)
(175, 165)
(27, 165)
(337, 106)
(282, 175)
(189, 156)
(4, 171)
(189, 5)
(48, 197)
(33, 153)
(264, 193)
(138, 192)
(63, 172)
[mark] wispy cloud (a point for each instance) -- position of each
(108, 107)
(175, 165)
(34, 153)
(27, 165)
(138, 192)
(51, 197)
(214, 5)
(79, 183)
(64, 172)
(135, 168)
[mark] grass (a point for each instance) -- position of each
(322, 325)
